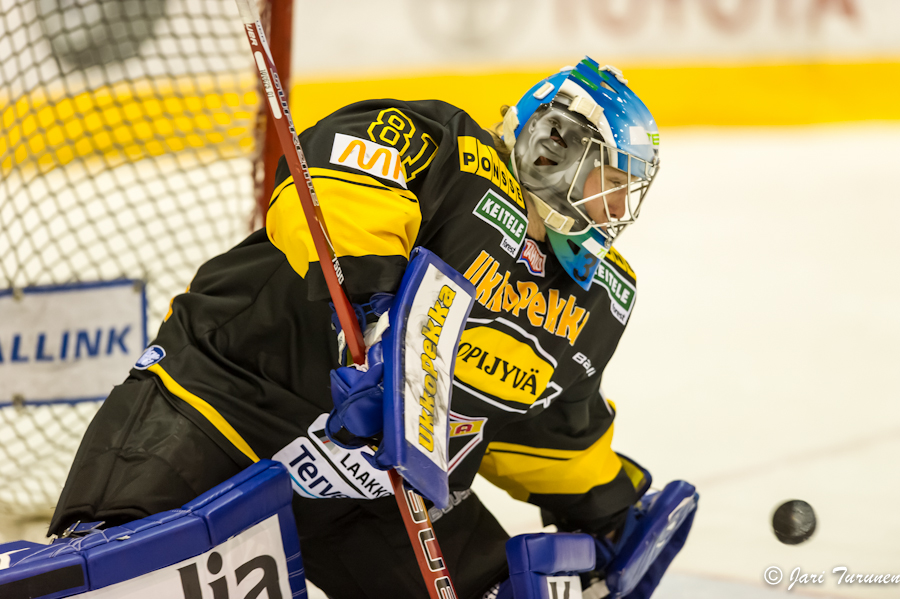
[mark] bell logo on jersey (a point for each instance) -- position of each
(369, 157)
(533, 258)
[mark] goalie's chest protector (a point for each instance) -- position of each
(535, 338)
(246, 354)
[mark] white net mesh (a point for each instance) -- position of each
(126, 151)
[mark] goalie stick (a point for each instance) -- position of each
(412, 507)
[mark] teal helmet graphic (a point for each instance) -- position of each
(586, 149)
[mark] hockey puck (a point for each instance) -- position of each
(794, 522)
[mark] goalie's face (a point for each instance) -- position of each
(611, 205)
(563, 161)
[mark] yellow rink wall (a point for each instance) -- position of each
(743, 96)
(129, 122)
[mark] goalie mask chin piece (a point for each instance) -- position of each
(578, 253)
(586, 149)
(573, 254)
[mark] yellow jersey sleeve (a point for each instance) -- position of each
(363, 217)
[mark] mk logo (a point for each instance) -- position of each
(369, 157)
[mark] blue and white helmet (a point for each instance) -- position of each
(578, 136)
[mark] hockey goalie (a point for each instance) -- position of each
(478, 262)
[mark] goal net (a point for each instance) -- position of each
(126, 152)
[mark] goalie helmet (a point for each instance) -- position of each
(580, 136)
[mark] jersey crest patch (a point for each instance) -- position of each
(369, 157)
(466, 430)
(500, 214)
(621, 292)
(533, 258)
(152, 355)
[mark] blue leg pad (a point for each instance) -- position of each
(536, 560)
(227, 536)
(654, 534)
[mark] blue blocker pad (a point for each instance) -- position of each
(546, 566)
(426, 321)
(237, 540)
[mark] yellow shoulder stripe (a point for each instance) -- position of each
(521, 470)
(353, 178)
(206, 410)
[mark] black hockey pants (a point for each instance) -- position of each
(141, 456)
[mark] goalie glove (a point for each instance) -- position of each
(367, 315)
(357, 390)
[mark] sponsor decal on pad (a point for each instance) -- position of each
(440, 305)
(250, 564)
(564, 587)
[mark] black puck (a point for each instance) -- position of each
(794, 522)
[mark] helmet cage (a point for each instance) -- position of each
(639, 176)
(560, 186)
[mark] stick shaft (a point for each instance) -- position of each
(412, 506)
(296, 161)
(421, 535)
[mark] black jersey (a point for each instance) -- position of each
(246, 353)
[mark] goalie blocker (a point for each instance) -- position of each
(427, 319)
(401, 398)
